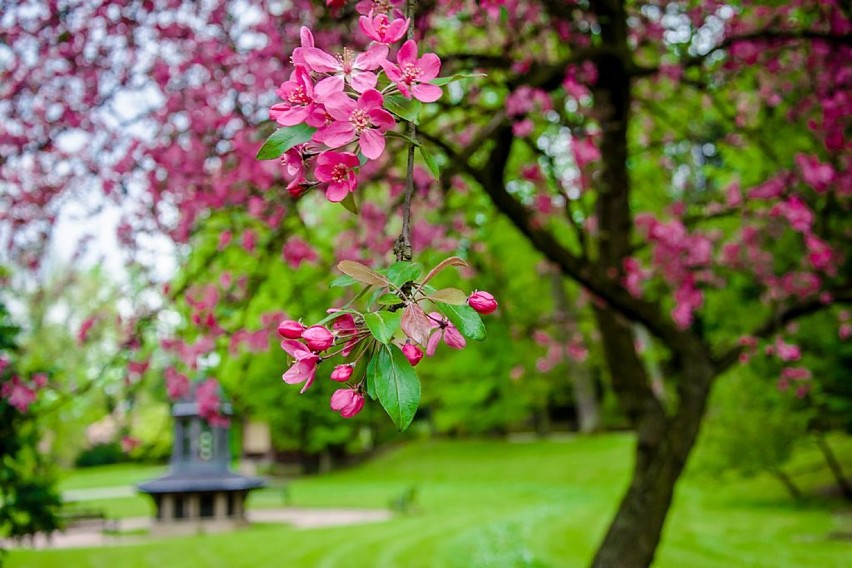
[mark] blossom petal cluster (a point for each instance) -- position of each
(342, 97)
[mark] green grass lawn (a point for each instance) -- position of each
(498, 504)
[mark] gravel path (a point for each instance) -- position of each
(92, 535)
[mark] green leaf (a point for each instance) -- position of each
(396, 385)
(452, 296)
(373, 376)
(383, 324)
(342, 281)
(401, 272)
(283, 139)
(404, 108)
(430, 162)
(465, 319)
(441, 81)
(389, 300)
(349, 203)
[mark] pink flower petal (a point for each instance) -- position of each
(336, 134)
(370, 99)
(382, 119)
(407, 53)
(362, 80)
(340, 106)
(328, 87)
(372, 143)
(429, 66)
(336, 192)
(426, 93)
(320, 61)
(393, 72)
(372, 58)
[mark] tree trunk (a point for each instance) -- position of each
(788, 484)
(662, 449)
(834, 466)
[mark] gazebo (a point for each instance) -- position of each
(199, 492)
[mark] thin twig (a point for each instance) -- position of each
(402, 246)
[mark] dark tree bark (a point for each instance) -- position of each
(835, 467)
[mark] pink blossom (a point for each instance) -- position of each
(787, 352)
(305, 366)
(348, 402)
(341, 373)
(307, 40)
(585, 151)
(87, 325)
(797, 213)
(338, 170)
(209, 404)
(819, 253)
(482, 302)
(299, 101)
(177, 384)
(343, 327)
(816, 174)
(296, 251)
(354, 69)
(445, 330)
(381, 29)
(18, 394)
(364, 119)
(796, 373)
(291, 329)
(369, 7)
(413, 353)
(318, 338)
(412, 75)
(128, 444)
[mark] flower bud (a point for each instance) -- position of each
(412, 353)
(318, 338)
(290, 329)
(482, 302)
(347, 402)
(341, 373)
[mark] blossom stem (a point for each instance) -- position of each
(402, 246)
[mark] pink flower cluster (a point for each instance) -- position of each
(338, 96)
(680, 257)
(20, 393)
(309, 346)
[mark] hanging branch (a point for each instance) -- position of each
(402, 246)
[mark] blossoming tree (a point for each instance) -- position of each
(675, 159)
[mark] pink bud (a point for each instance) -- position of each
(347, 402)
(318, 338)
(412, 353)
(290, 329)
(341, 373)
(482, 302)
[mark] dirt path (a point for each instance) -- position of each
(93, 536)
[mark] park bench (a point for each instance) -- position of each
(74, 515)
(406, 501)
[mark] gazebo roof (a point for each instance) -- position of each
(187, 482)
